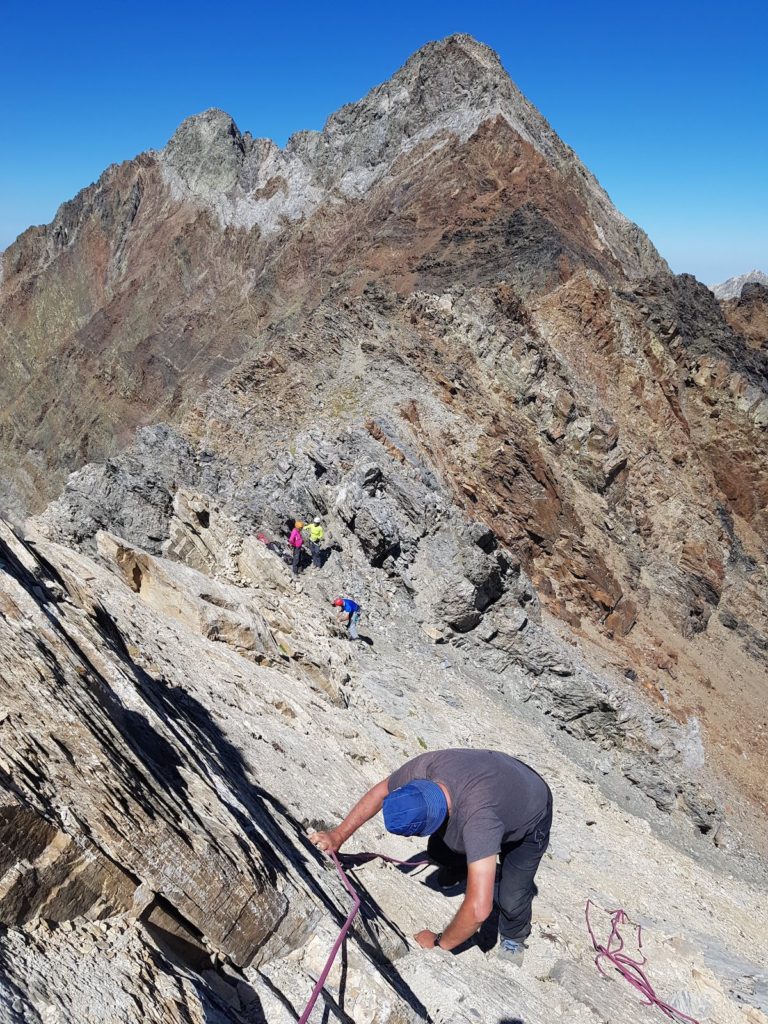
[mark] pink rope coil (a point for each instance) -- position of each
(629, 968)
(360, 858)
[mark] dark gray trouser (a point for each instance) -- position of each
(315, 549)
(519, 863)
(295, 560)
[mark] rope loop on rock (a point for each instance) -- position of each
(631, 969)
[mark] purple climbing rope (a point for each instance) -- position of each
(629, 968)
(360, 858)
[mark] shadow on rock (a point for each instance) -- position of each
(175, 736)
(275, 833)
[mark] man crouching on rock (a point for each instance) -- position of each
(475, 806)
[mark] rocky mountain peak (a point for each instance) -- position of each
(731, 289)
(444, 85)
(441, 96)
(207, 152)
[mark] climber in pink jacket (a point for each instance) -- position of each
(296, 541)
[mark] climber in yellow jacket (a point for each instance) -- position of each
(316, 534)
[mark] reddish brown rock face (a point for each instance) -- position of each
(474, 212)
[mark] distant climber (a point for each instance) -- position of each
(476, 806)
(296, 541)
(352, 610)
(316, 534)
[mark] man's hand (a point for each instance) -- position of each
(328, 842)
(426, 938)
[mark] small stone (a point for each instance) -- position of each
(516, 618)
(561, 669)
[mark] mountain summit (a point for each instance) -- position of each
(443, 175)
(442, 97)
(732, 288)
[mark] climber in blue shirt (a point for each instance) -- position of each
(351, 609)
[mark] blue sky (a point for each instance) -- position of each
(665, 102)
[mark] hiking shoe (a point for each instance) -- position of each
(447, 878)
(512, 951)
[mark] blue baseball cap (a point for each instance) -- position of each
(417, 809)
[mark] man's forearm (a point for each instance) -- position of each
(363, 811)
(462, 927)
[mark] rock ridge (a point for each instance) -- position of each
(733, 287)
(115, 686)
(448, 87)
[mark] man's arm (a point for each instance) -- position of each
(475, 908)
(363, 811)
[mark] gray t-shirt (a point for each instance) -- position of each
(495, 798)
